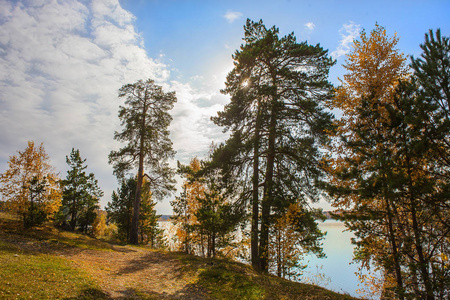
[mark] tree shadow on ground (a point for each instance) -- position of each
(151, 260)
(90, 294)
(189, 292)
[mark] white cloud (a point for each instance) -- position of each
(192, 130)
(348, 32)
(232, 16)
(310, 26)
(61, 65)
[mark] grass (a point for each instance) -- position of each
(233, 284)
(224, 279)
(26, 275)
(27, 272)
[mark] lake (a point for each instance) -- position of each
(337, 268)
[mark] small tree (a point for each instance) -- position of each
(185, 207)
(181, 222)
(146, 119)
(30, 186)
(150, 233)
(205, 218)
(216, 219)
(99, 226)
(81, 193)
(36, 214)
(120, 209)
(120, 212)
(294, 234)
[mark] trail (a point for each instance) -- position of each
(127, 271)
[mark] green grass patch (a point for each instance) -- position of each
(29, 276)
(225, 283)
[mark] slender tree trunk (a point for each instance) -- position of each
(267, 199)
(134, 234)
(30, 222)
(209, 246)
(213, 245)
(393, 242)
(417, 240)
(73, 219)
(422, 263)
(255, 197)
(279, 266)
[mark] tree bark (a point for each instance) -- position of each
(134, 234)
(267, 199)
(392, 239)
(417, 238)
(255, 197)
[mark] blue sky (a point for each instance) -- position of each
(62, 62)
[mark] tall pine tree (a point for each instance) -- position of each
(277, 120)
(145, 118)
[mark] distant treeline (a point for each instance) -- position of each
(328, 215)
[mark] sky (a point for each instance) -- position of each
(63, 61)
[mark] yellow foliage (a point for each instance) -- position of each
(15, 182)
(284, 249)
(194, 189)
(374, 68)
(111, 230)
(99, 225)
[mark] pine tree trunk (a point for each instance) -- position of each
(279, 265)
(394, 246)
(213, 246)
(255, 197)
(267, 199)
(134, 234)
(418, 241)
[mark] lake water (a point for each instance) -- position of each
(337, 268)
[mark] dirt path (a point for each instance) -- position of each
(127, 272)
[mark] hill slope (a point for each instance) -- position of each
(46, 263)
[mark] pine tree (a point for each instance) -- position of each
(146, 119)
(418, 185)
(120, 209)
(278, 89)
(81, 193)
(216, 217)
